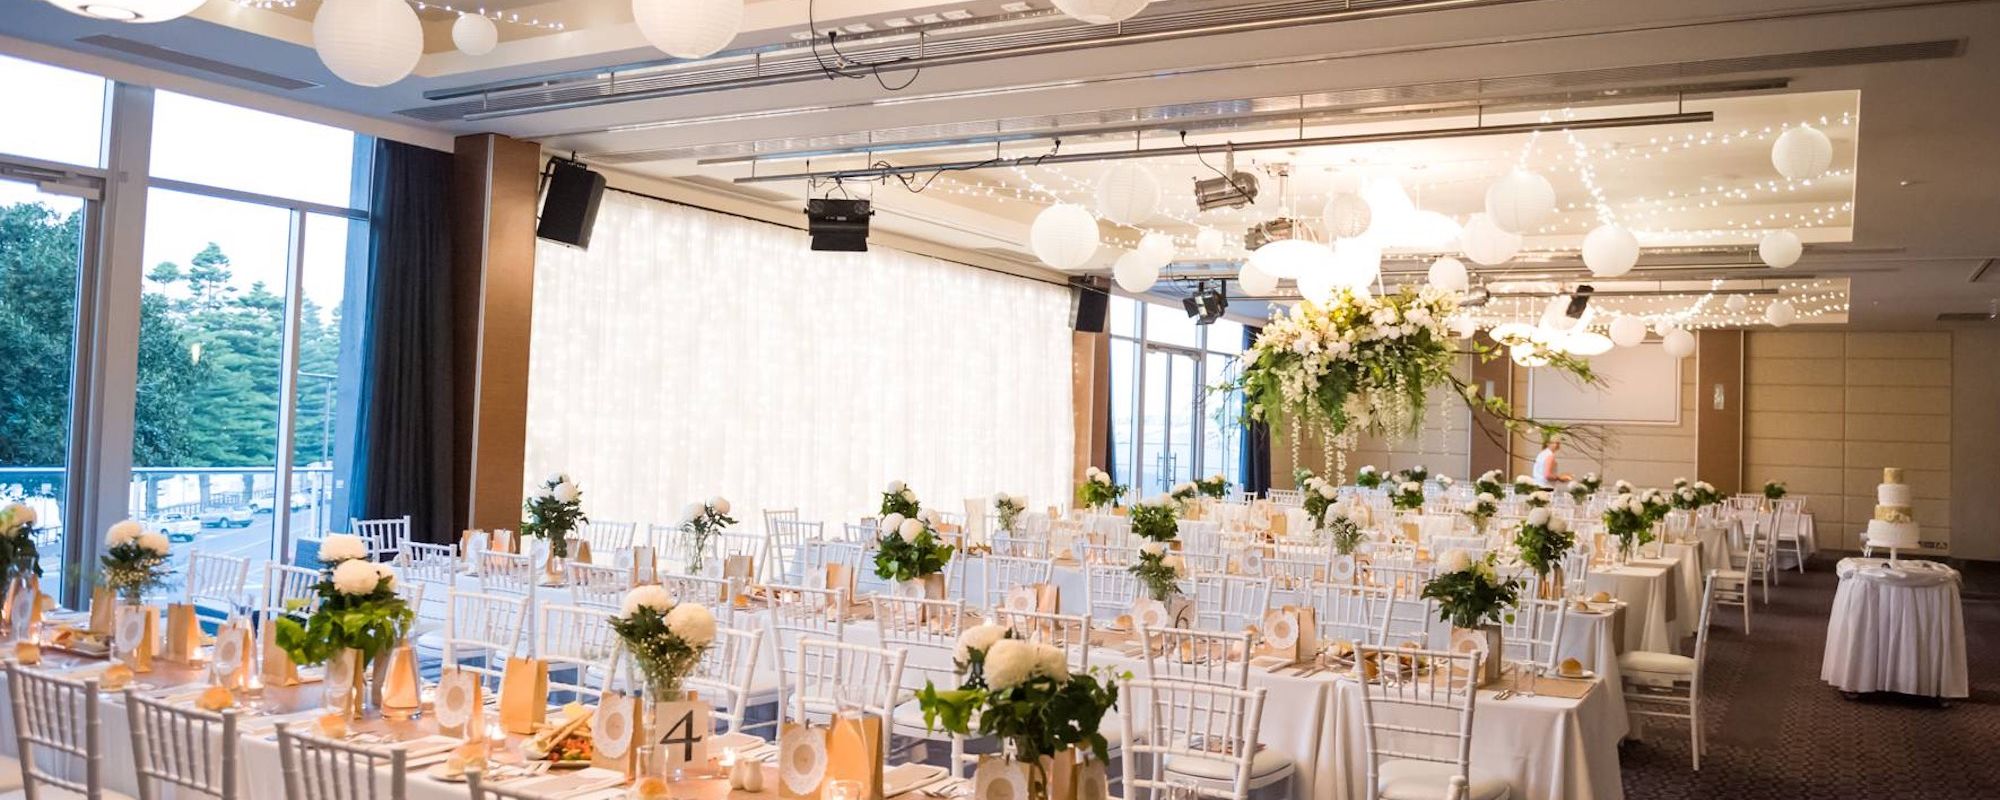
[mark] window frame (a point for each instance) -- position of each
(1127, 461)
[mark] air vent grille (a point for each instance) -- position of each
(1967, 316)
(152, 52)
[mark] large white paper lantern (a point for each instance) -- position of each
(1448, 274)
(474, 35)
(1347, 216)
(1586, 343)
(1256, 282)
(1135, 271)
(1609, 250)
(1678, 343)
(1127, 195)
(1101, 12)
(1318, 283)
(1210, 242)
(1291, 258)
(1519, 201)
(368, 42)
(129, 10)
(1802, 153)
(1485, 243)
(1781, 313)
(1356, 263)
(1780, 248)
(688, 28)
(1064, 236)
(1628, 331)
(1735, 304)
(1526, 354)
(1158, 248)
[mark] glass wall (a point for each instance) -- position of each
(1166, 425)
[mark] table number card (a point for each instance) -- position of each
(614, 730)
(1252, 561)
(1344, 568)
(524, 695)
(801, 761)
(683, 733)
(1021, 598)
(460, 703)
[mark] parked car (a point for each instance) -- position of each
(238, 517)
(177, 526)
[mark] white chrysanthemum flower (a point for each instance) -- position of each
(1412, 486)
(693, 622)
(1327, 490)
(1102, 477)
(1367, 470)
(718, 505)
(891, 524)
(123, 533)
(1454, 561)
(1559, 525)
(1051, 662)
(341, 547)
(652, 595)
(909, 496)
(1009, 663)
(690, 512)
(1487, 497)
(1538, 516)
(910, 528)
(895, 488)
(355, 578)
(1153, 548)
(567, 492)
(156, 542)
(978, 639)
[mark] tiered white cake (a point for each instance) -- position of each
(1892, 526)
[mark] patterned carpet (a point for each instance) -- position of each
(1776, 731)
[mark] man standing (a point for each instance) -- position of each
(1545, 464)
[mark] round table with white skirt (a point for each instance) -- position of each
(1897, 626)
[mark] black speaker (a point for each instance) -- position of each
(569, 207)
(1092, 304)
(838, 225)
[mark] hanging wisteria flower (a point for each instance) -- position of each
(134, 560)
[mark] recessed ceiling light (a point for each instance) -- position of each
(958, 13)
(858, 27)
(1015, 8)
(897, 22)
(929, 19)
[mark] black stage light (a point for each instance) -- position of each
(1475, 297)
(1578, 301)
(1207, 303)
(838, 225)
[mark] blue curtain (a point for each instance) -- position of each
(402, 445)
(1256, 439)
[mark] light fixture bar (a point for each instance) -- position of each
(870, 173)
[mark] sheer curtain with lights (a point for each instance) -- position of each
(688, 354)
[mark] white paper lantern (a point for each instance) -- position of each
(1678, 343)
(474, 35)
(1780, 248)
(368, 42)
(1664, 327)
(1256, 282)
(1448, 274)
(1158, 249)
(1512, 333)
(1610, 250)
(1127, 195)
(1210, 242)
(1628, 331)
(1101, 12)
(1464, 325)
(1486, 244)
(1527, 354)
(1586, 343)
(1318, 283)
(1781, 313)
(1064, 236)
(1356, 263)
(1802, 153)
(129, 10)
(1735, 304)
(1347, 216)
(1519, 201)
(1291, 258)
(1135, 271)
(688, 28)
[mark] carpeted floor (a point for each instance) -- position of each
(1776, 731)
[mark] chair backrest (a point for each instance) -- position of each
(1111, 590)
(800, 612)
(928, 629)
(574, 640)
(1006, 572)
(1200, 536)
(1296, 574)
(285, 584)
(606, 537)
(1165, 721)
(184, 748)
(58, 718)
(726, 673)
(435, 566)
(1535, 634)
(384, 537)
(1206, 563)
(509, 573)
(1090, 553)
(1701, 634)
(216, 579)
(1211, 657)
(858, 532)
(598, 586)
(784, 534)
(1022, 546)
(827, 675)
(1068, 631)
(1420, 715)
(1409, 612)
(1231, 602)
(1286, 497)
(1351, 612)
(325, 769)
(482, 630)
(711, 592)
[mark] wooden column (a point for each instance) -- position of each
(1718, 404)
(1090, 398)
(1491, 441)
(493, 254)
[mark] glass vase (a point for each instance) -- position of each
(347, 689)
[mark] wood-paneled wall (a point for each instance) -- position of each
(1646, 455)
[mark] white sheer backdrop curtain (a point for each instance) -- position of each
(688, 354)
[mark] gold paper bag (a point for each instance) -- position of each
(183, 634)
(524, 695)
(580, 551)
(398, 689)
(742, 567)
(103, 606)
(460, 703)
(854, 752)
(278, 668)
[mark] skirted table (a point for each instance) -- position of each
(1896, 627)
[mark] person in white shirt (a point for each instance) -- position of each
(1545, 464)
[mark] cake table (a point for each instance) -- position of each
(1897, 626)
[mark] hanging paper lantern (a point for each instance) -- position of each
(1780, 249)
(1256, 282)
(1802, 153)
(1158, 249)
(1610, 251)
(1128, 195)
(1448, 274)
(1318, 283)
(1678, 343)
(1464, 325)
(1101, 12)
(1347, 216)
(1628, 331)
(1064, 236)
(1519, 201)
(1291, 258)
(1135, 271)
(1486, 244)
(474, 35)
(1781, 313)
(1527, 354)
(1735, 304)
(688, 28)
(1586, 343)
(1356, 264)
(1210, 242)
(129, 10)
(368, 42)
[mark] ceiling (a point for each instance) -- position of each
(1903, 222)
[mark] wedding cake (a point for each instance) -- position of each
(1892, 526)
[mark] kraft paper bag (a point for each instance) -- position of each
(855, 751)
(802, 761)
(645, 565)
(1289, 633)
(614, 734)
(579, 551)
(140, 625)
(524, 695)
(740, 567)
(103, 607)
(1069, 776)
(278, 668)
(232, 662)
(841, 576)
(183, 642)
(460, 703)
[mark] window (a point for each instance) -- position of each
(1166, 426)
(68, 110)
(228, 147)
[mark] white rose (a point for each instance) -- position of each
(1052, 662)
(567, 492)
(978, 639)
(1153, 548)
(910, 528)
(341, 547)
(123, 532)
(1009, 662)
(718, 505)
(1538, 516)
(1559, 525)
(693, 623)
(156, 542)
(355, 578)
(691, 512)
(1327, 491)
(652, 595)
(1454, 561)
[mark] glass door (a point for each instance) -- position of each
(1170, 406)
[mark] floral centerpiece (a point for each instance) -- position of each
(1300, 475)
(1344, 529)
(1623, 487)
(910, 554)
(898, 498)
(1774, 490)
(1023, 693)
(18, 558)
(1625, 519)
(1008, 508)
(700, 521)
(1418, 473)
(1445, 482)
(1472, 596)
(1524, 486)
(1684, 497)
(1489, 482)
(1590, 482)
(1097, 490)
(1578, 492)
(1543, 540)
(1409, 496)
(1706, 494)
(1184, 493)
(666, 639)
(1319, 496)
(1654, 505)
(1214, 486)
(1480, 509)
(1158, 571)
(135, 559)
(1368, 478)
(1538, 499)
(555, 509)
(359, 618)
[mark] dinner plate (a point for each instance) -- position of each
(439, 772)
(1581, 676)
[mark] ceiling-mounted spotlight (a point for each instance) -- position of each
(1264, 233)
(1231, 189)
(1578, 301)
(1475, 297)
(1207, 303)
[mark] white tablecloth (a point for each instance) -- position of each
(1648, 592)
(1896, 628)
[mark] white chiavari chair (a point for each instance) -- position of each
(1019, 546)
(606, 537)
(1179, 733)
(481, 631)
(316, 768)
(1110, 589)
(827, 675)
(669, 543)
(57, 721)
(1230, 602)
(1071, 632)
(1535, 633)
(288, 588)
(1295, 575)
(726, 676)
(739, 542)
(177, 749)
(784, 534)
(927, 632)
(384, 537)
(1091, 553)
(1732, 588)
(1789, 532)
(431, 571)
(595, 586)
(1212, 657)
(798, 613)
(1354, 613)
(1004, 572)
(1417, 728)
(1391, 553)
(1206, 563)
(858, 532)
(1199, 536)
(711, 592)
(1751, 548)
(1409, 613)
(218, 580)
(512, 575)
(1286, 497)
(1668, 685)
(575, 642)
(1576, 571)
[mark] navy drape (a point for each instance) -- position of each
(1256, 440)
